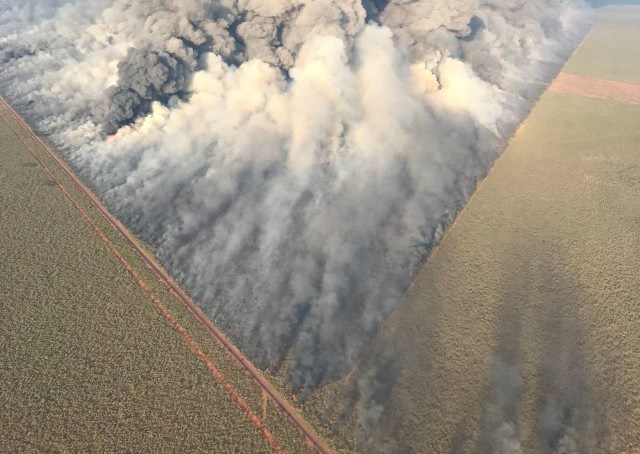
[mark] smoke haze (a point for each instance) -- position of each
(294, 161)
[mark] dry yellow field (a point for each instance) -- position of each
(522, 332)
(87, 361)
(613, 47)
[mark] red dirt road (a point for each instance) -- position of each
(596, 88)
(276, 399)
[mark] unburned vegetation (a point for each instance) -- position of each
(87, 362)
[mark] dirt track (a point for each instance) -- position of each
(596, 88)
(277, 400)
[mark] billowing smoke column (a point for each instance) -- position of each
(293, 160)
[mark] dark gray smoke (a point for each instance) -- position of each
(293, 163)
(144, 77)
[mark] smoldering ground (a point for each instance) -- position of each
(294, 161)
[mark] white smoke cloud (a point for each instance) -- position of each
(294, 161)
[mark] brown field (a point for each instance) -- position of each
(96, 352)
(521, 333)
(596, 88)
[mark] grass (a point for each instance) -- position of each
(522, 329)
(613, 48)
(87, 363)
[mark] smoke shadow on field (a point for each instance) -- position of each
(499, 425)
(398, 381)
(569, 420)
(542, 295)
(539, 395)
(535, 396)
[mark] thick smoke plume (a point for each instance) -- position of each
(294, 161)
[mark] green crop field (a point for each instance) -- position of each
(521, 333)
(87, 362)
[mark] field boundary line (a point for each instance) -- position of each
(495, 162)
(277, 400)
(347, 377)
